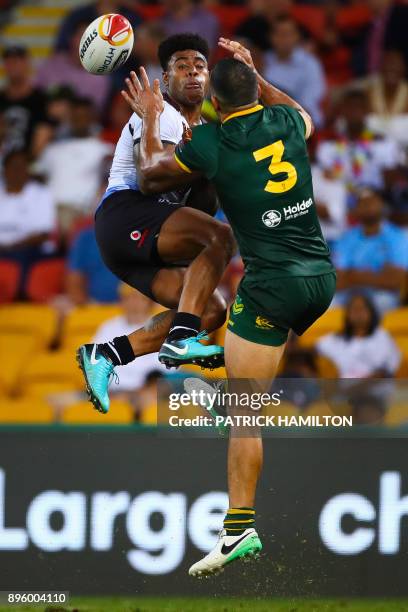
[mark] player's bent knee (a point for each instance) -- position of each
(223, 235)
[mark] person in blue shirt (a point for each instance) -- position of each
(372, 257)
(88, 279)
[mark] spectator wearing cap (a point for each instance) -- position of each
(23, 104)
(27, 214)
(372, 257)
(355, 154)
(293, 69)
(73, 166)
(64, 68)
(86, 14)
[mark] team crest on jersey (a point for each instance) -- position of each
(237, 306)
(271, 218)
(135, 235)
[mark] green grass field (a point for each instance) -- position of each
(141, 604)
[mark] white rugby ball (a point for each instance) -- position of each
(106, 44)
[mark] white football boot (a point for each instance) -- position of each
(228, 548)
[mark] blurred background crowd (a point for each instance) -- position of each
(344, 60)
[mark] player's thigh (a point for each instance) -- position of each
(246, 359)
(187, 231)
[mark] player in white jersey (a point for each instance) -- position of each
(166, 245)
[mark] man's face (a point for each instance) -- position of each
(369, 208)
(16, 169)
(17, 67)
(81, 119)
(393, 68)
(285, 37)
(354, 111)
(187, 77)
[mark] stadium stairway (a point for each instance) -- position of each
(35, 27)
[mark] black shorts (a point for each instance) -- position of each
(127, 225)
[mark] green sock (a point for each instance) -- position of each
(238, 519)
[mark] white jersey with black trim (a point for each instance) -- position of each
(123, 171)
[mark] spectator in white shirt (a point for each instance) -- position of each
(295, 70)
(27, 214)
(136, 310)
(363, 349)
(331, 202)
(73, 166)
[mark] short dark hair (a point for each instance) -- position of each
(180, 42)
(234, 83)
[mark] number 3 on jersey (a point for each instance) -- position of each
(277, 166)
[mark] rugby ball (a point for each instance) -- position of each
(106, 44)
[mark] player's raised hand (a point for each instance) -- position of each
(141, 97)
(237, 51)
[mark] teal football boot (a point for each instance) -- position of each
(175, 353)
(98, 372)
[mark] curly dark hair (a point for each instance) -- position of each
(180, 42)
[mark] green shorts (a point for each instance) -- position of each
(264, 312)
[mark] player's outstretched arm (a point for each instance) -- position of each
(270, 95)
(157, 168)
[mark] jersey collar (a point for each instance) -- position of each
(241, 113)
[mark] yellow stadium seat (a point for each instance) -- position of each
(326, 368)
(43, 389)
(188, 369)
(149, 415)
(396, 321)
(402, 343)
(402, 371)
(52, 366)
(330, 321)
(25, 411)
(397, 414)
(14, 350)
(85, 320)
(37, 320)
(83, 413)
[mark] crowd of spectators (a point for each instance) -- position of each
(344, 60)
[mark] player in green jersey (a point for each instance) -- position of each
(257, 159)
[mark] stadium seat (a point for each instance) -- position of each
(58, 366)
(85, 320)
(396, 321)
(397, 414)
(37, 320)
(326, 368)
(330, 321)
(9, 280)
(82, 413)
(45, 280)
(15, 349)
(25, 411)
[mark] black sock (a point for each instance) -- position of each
(119, 350)
(184, 325)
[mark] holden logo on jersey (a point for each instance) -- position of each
(135, 235)
(271, 218)
(115, 29)
(299, 209)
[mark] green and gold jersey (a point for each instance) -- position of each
(257, 160)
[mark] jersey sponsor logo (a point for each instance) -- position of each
(135, 235)
(271, 218)
(299, 209)
(263, 323)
